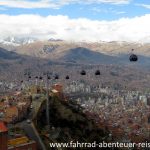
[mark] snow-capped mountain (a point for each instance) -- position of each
(15, 41)
(55, 40)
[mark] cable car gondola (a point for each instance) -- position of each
(97, 73)
(40, 78)
(67, 77)
(48, 77)
(133, 58)
(56, 77)
(83, 72)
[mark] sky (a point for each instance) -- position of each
(76, 20)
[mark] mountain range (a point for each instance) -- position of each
(15, 41)
(90, 53)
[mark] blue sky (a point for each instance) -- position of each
(95, 11)
(77, 20)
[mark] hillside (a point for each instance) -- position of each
(4, 54)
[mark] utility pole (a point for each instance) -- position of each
(47, 102)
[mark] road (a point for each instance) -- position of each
(30, 128)
(33, 134)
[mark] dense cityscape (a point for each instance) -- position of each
(74, 75)
(123, 115)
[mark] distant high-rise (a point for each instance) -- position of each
(148, 101)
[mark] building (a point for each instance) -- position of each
(36, 90)
(3, 136)
(57, 90)
(58, 87)
(148, 101)
(22, 143)
(11, 114)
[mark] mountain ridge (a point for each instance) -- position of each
(82, 52)
(111, 48)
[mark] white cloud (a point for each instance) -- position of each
(120, 12)
(53, 3)
(62, 27)
(144, 5)
(27, 4)
(109, 10)
(3, 9)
